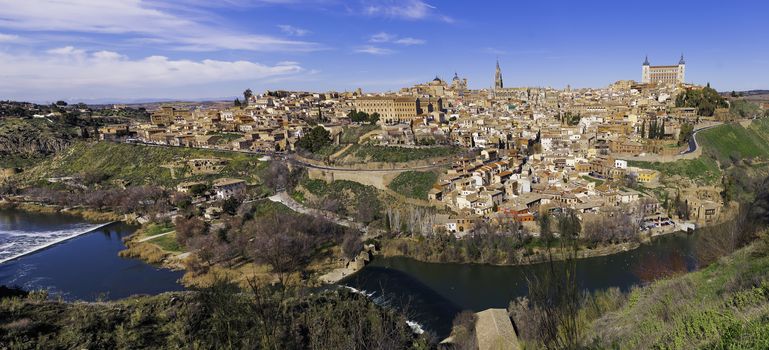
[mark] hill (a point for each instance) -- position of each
(724, 306)
(141, 164)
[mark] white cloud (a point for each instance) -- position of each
(7, 38)
(404, 9)
(409, 41)
(136, 17)
(86, 74)
(373, 50)
(291, 30)
(382, 37)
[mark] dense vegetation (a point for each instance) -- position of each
(414, 184)
(363, 117)
(315, 140)
(219, 317)
(705, 100)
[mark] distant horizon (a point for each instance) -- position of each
(140, 49)
(150, 100)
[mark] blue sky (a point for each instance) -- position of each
(136, 49)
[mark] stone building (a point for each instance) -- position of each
(674, 74)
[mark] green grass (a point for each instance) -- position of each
(389, 154)
(153, 229)
(721, 144)
(167, 243)
(734, 141)
(142, 165)
(724, 306)
(264, 207)
(352, 134)
(414, 184)
(703, 169)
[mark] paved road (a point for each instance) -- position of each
(693, 141)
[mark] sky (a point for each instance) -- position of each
(129, 50)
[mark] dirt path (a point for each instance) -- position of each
(155, 236)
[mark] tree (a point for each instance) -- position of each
(187, 228)
(280, 245)
(236, 103)
(705, 100)
(231, 204)
(351, 244)
(247, 96)
(643, 129)
(545, 230)
(314, 140)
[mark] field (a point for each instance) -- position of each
(414, 184)
(143, 165)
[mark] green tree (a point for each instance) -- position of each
(314, 140)
(247, 96)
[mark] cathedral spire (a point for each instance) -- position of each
(498, 78)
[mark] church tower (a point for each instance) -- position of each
(498, 85)
(645, 71)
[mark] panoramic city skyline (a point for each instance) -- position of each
(92, 50)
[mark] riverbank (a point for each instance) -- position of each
(87, 214)
(391, 249)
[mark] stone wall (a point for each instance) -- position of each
(378, 179)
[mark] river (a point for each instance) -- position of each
(433, 293)
(78, 260)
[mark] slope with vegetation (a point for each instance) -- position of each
(142, 165)
(219, 317)
(414, 184)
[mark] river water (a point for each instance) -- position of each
(80, 260)
(433, 293)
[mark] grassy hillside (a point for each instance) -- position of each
(724, 306)
(733, 141)
(414, 184)
(724, 144)
(139, 164)
(703, 170)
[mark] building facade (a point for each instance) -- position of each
(390, 109)
(663, 74)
